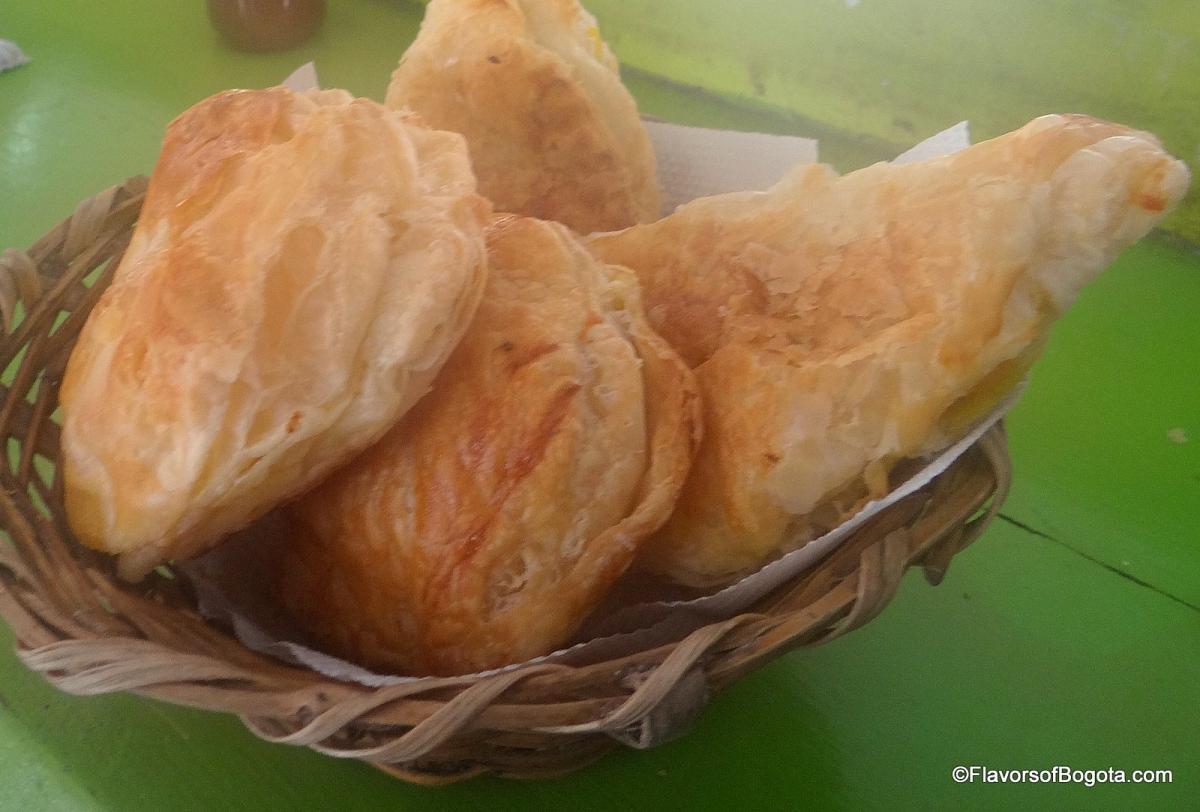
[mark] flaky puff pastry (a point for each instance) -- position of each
(840, 324)
(552, 131)
(486, 525)
(302, 267)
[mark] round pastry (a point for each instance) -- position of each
(484, 527)
(552, 131)
(303, 265)
(838, 325)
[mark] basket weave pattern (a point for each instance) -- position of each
(88, 633)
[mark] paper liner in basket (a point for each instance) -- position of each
(693, 161)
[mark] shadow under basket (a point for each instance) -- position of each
(89, 633)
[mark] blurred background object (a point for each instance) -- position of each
(266, 25)
(11, 56)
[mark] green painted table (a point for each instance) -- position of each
(1069, 635)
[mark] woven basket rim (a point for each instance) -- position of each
(89, 633)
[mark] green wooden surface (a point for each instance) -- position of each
(900, 69)
(1070, 638)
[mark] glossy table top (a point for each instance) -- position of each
(1070, 634)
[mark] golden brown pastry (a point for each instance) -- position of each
(303, 265)
(552, 131)
(840, 324)
(483, 528)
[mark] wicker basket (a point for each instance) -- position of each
(89, 633)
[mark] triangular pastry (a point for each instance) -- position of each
(537, 93)
(838, 325)
(302, 267)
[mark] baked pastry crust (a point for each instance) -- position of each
(840, 324)
(303, 265)
(552, 131)
(484, 527)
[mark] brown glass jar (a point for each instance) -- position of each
(266, 25)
